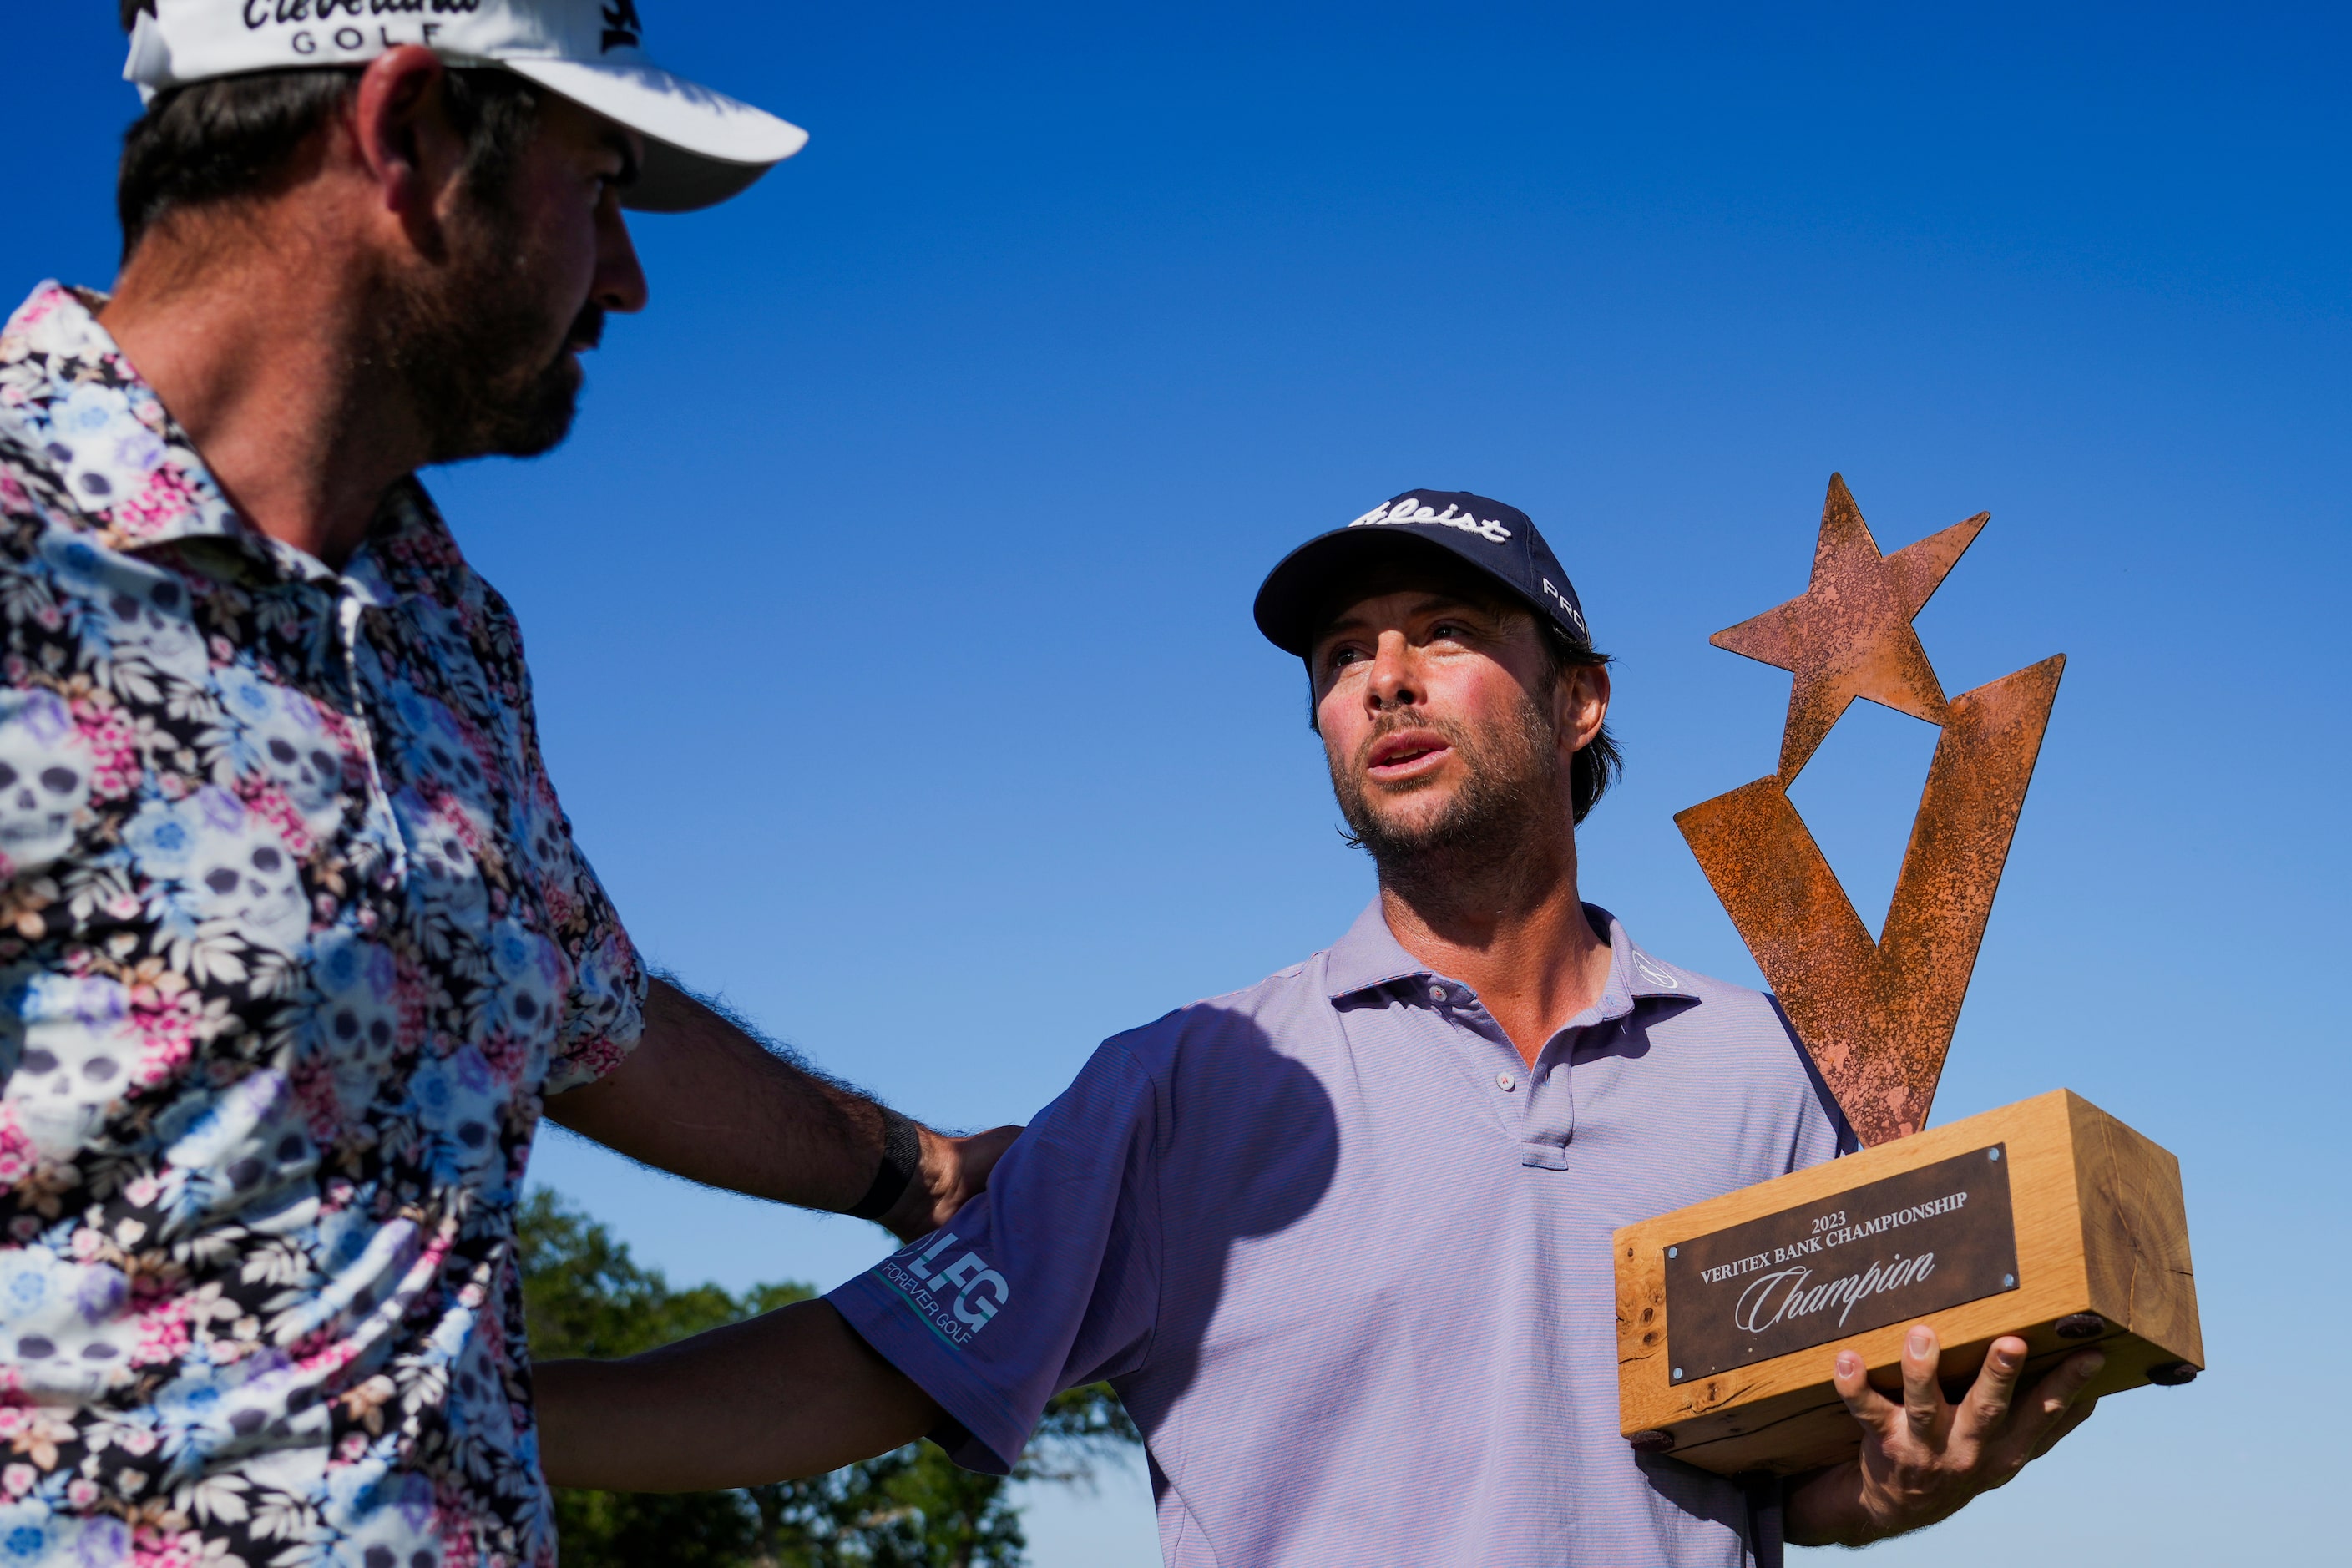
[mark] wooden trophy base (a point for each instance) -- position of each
(2047, 1219)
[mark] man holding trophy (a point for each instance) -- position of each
(1342, 1240)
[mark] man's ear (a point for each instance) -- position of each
(402, 137)
(1580, 704)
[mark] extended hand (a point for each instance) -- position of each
(954, 1172)
(1923, 1458)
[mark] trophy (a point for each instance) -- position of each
(2048, 1219)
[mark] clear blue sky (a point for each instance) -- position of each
(889, 608)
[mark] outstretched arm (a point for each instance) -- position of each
(794, 1392)
(1924, 1458)
(701, 1097)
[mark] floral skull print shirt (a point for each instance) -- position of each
(293, 942)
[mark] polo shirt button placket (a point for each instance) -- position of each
(1549, 1115)
(351, 613)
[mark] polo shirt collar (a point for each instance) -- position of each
(1370, 957)
(82, 389)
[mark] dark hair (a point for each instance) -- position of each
(239, 136)
(1415, 563)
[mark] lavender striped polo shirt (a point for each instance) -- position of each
(1347, 1258)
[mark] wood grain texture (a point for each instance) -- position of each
(2137, 1255)
(2101, 1227)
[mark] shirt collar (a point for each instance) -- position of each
(1370, 956)
(133, 478)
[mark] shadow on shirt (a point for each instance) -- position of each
(1257, 1128)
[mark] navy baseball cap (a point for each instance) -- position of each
(1498, 539)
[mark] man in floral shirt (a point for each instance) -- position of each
(295, 942)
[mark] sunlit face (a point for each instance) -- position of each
(1442, 724)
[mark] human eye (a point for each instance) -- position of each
(1342, 655)
(615, 172)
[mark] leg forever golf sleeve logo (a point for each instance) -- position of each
(956, 1298)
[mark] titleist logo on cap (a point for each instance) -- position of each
(1412, 509)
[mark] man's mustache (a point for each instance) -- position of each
(587, 328)
(1387, 725)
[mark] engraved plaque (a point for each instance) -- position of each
(1886, 1252)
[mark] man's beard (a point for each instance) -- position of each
(468, 346)
(1510, 784)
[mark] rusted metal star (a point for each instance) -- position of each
(1849, 634)
(1876, 1016)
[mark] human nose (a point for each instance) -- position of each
(1394, 682)
(620, 284)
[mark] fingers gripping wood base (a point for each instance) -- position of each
(1731, 1313)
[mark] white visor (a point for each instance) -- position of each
(701, 147)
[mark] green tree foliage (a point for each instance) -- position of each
(585, 1296)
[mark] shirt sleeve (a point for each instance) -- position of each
(603, 1000)
(604, 1010)
(1047, 1281)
